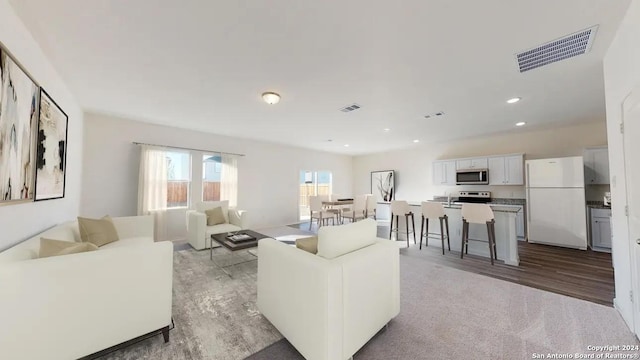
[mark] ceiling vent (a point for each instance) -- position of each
(350, 108)
(439, 113)
(564, 48)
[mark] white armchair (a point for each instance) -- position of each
(199, 234)
(343, 295)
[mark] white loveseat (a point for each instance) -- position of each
(328, 308)
(70, 306)
(199, 234)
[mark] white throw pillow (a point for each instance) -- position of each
(334, 241)
(203, 206)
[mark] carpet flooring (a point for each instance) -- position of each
(445, 314)
(452, 314)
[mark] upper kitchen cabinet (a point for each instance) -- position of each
(474, 163)
(506, 170)
(596, 166)
(444, 172)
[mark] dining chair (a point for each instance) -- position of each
(372, 204)
(434, 210)
(357, 212)
(335, 209)
(478, 214)
(401, 207)
(318, 212)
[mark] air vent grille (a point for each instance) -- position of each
(439, 113)
(350, 108)
(564, 48)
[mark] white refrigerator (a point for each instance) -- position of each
(556, 208)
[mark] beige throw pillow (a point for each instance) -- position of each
(49, 247)
(97, 231)
(215, 216)
(309, 244)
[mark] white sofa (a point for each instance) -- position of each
(328, 308)
(199, 234)
(70, 306)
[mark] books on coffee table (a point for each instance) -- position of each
(240, 237)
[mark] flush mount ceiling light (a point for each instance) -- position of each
(513, 100)
(271, 97)
(521, 123)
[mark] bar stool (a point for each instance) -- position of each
(478, 214)
(434, 210)
(401, 207)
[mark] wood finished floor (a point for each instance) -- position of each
(586, 275)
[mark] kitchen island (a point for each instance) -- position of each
(506, 238)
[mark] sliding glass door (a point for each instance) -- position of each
(312, 183)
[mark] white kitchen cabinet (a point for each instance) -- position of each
(444, 172)
(596, 166)
(506, 170)
(473, 163)
(600, 229)
(514, 168)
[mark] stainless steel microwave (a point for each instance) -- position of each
(472, 177)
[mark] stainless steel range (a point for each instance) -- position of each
(482, 197)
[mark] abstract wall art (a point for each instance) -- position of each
(18, 117)
(383, 184)
(51, 149)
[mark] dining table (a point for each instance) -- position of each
(335, 205)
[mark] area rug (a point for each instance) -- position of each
(445, 314)
(214, 306)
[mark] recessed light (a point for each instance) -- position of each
(386, 129)
(513, 100)
(346, 145)
(416, 141)
(521, 123)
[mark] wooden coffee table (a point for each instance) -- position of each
(222, 240)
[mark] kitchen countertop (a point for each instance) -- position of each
(494, 207)
(494, 201)
(597, 205)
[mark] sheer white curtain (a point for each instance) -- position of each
(152, 188)
(229, 179)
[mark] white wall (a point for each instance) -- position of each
(21, 221)
(414, 166)
(621, 75)
(268, 174)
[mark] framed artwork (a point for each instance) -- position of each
(51, 154)
(18, 117)
(383, 185)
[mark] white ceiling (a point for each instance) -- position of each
(203, 65)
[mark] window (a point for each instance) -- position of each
(178, 179)
(211, 176)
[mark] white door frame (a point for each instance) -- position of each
(630, 101)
